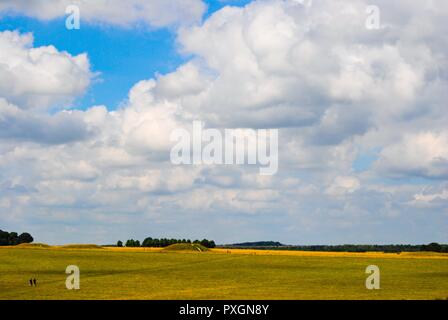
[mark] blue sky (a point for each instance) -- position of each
(121, 56)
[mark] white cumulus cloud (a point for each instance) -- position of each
(39, 77)
(155, 13)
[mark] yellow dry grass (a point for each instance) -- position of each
(406, 255)
(151, 273)
(125, 249)
(402, 255)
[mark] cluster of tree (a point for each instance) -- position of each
(161, 243)
(258, 244)
(130, 243)
(433, 247)
(13, 238)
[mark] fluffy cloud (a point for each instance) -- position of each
(421, 155)
(19, 125)
(39, 77)
(342, 185)
(156, 13)
(299, 66)
(432, 198)
(335, 88)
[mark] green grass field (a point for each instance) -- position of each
(136, 274)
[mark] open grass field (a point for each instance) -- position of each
(138, 273)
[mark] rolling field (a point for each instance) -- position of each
(137, 273)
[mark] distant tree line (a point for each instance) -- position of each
(13, 238)
(432, 247)
(259, 244)
(161, 243)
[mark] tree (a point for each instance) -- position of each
(205, 243)
(13, 238)
(119, 243)
(433, 247)
(165, 242)
(4, 238)
(132, 243)
(148, 242)
(25, 238)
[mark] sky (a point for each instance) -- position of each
(86, 117)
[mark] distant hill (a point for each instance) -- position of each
(196, 247)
